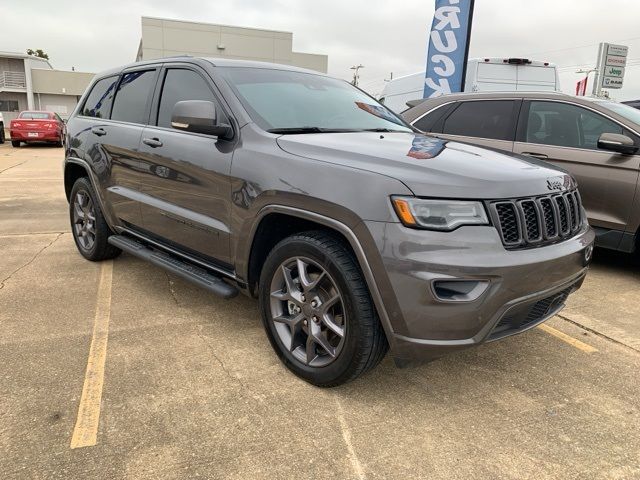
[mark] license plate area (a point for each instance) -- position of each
(32, 134)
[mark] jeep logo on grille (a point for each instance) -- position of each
(553, 184)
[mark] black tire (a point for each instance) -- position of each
(15, 143)
(99, 249)
(2, 136)
(364, 342)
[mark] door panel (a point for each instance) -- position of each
(567, 135)
(186, 185)
(187, 191)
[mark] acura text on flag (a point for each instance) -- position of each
(448, 47)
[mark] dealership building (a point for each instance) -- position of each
(166, 38)
(31, 83)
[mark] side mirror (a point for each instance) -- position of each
(615, 142)
(198, 116)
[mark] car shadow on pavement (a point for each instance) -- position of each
(617, 262)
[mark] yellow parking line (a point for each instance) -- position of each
(567, 339)
(85, 433)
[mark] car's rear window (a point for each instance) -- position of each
(35, 115)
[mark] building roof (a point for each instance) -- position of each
(23, 56)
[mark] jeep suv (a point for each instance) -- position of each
(356, 233)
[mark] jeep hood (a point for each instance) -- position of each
(432, 167)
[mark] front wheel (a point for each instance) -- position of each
(317, 311)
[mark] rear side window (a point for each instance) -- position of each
(484, 119)
(98, 103)
(132, 97)
(430, 122)
(180, 85)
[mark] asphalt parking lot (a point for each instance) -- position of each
(192, 389)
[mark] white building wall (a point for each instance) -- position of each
(165, 38)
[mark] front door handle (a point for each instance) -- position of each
(540, 156)
(99, 131)
(152, 142)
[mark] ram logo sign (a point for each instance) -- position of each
(448, 47)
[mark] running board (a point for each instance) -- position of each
(180, 268)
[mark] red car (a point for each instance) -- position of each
(37, 126)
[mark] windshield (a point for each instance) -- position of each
(34, 115)
(630, 113)
(283, 101)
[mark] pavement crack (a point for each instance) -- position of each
(4, 280)
(172, 291)
(13, 166)
(240, 383)
(597, 333)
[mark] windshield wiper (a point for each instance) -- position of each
(384, 130)
(301, 130)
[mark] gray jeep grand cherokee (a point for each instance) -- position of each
(356, 233)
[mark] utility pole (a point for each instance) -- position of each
(356, 76)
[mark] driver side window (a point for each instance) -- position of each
(565, 125)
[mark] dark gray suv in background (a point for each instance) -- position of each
(356, 233)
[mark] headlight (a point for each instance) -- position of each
(445, 215)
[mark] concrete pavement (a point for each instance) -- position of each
(192, 388)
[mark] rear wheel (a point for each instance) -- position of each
(317, 310)
(15, 143)
(89, 228)
(2, 136)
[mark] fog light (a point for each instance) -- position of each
(459, 290)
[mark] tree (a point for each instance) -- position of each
(38, 53)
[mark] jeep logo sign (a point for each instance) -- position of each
(448, 47)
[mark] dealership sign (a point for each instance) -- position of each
(612, 60)
(448, 47)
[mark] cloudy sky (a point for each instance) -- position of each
(384, 36)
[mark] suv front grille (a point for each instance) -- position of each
(536, 221)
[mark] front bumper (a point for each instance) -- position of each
(517, 289)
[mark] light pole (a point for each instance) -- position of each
(356, 76)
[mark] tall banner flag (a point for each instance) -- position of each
(448, 47)
(581, 87)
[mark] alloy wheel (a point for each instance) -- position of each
(84, 220)
(308, 311)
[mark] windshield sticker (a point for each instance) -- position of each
(378, 111)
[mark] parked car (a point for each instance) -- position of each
(355, 232)
(597, 141)
(1, 128)
(37, 126)
(483, 75)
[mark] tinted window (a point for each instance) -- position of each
(181, 85)
(561, 124)
(131, 100)
(430, 122)
(484, 119)
(98, 102)
(35, 115)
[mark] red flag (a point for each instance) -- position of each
(581, 87)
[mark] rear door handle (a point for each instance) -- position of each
(152, 142)
(99, 131)
(541, 156)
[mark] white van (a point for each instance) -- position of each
(483, 75)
